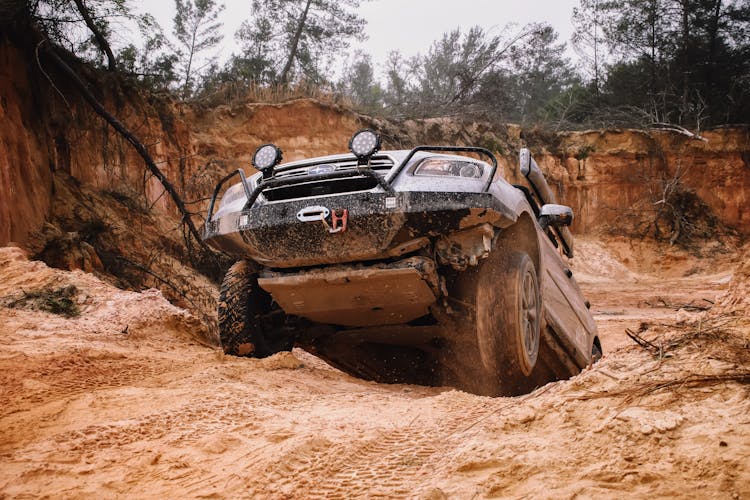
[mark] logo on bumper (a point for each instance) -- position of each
(316, 213)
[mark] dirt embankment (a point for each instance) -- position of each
(124, 399)
(601, 174)
(605, 174)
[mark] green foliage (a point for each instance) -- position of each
(642, 62)
(396, 95)
(511, 76)
(155, 65)
(63, 24)
(359, 84)
(678, 61)
(196, 31)
(588, 41)
(448, 73)
(152, 65)
(296, 39)
(537, 73)
(59, 301)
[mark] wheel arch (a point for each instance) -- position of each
(598, 344)
(522, 235)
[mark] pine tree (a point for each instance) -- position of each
(197, 31)
(358, 82)
(300, 36)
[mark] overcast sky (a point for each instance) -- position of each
(409, 26)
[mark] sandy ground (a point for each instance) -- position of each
(126, 401)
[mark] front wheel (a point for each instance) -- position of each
(243, 314)
(508, 314)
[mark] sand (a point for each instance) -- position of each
(128, 400)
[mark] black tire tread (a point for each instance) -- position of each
(233, 310)
(242, 305)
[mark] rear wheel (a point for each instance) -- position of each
(243, 314)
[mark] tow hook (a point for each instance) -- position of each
(338, 222)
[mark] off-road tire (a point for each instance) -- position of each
(242, 306)
(507, 323)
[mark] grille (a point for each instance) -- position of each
(302, 183)
(377, 163)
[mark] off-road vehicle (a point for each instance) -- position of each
(419, 266)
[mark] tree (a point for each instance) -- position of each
(358, 82)
(449, 70)
(82, 27)
(449, 75)
(541, 72)
(101, 40)
(670, 50)
(533, 74)
(300, 36)
(85, 27)
(587, 40)
(397, 92)
(196, 30)
(154, 64)
(255, 63)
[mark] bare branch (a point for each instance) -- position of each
(676, 128)
(101, 40)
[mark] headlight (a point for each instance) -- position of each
(457, 168)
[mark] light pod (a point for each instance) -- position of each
(265, 158)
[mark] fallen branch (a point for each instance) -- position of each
(641, 341)
(680, 130)
(158, 278)
(695, 380)
(689, 381)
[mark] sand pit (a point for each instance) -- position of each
(126, 399)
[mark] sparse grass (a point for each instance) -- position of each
(129, 199)
(59, 301)
(240, 93)
(584, 152)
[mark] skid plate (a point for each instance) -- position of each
(386, 295)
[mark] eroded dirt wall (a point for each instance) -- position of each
(604, 173)
(46, 129)
(598, 173)
(25, 159)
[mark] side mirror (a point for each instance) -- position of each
(524, 158)
(555, 215)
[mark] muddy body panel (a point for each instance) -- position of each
(569, 326)
(378, 226)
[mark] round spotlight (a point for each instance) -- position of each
(364, 143)
(265, 158)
